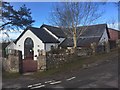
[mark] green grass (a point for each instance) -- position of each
(7, 75)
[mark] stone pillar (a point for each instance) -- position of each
(107, 47)
(118, 43)
(42, 61)
(93, 47)
(12, 62)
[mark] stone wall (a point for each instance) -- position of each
(58, 57)
(57, 60)
(42, 61)
(11, 63)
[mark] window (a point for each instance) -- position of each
(28, 41)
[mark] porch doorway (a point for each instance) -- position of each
(28, 49)
(29, 64)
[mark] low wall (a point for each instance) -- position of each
(11, 63)
(57, 58)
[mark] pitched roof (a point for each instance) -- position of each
(41, 34)
(92, 30)
(81, 42)
(90, 34)
(55, 30)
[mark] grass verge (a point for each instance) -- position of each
(7, 75)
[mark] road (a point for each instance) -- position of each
(103, 75)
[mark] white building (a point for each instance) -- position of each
(32, 40)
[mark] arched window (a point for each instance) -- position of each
(29, 42)
(28, 48)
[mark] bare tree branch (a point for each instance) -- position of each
(70, 15)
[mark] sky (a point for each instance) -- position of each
(41, 13)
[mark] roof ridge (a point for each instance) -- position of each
(91, 25)
(33, 27)
(50, 33)
(51, 26)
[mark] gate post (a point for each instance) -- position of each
(41, 62)
(20, 62)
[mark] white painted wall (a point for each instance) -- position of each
(38, 44)
(104, 38)
(10, 47)
(48, 46)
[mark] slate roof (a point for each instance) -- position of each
(81, 42)
(92, 30)
(41, 34)
(90, 34)
(55, 30)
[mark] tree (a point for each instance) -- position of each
(70, 15)
(15, 19)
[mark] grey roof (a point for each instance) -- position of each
(90, 34)
(55, 30)
(41, 34)
(92, 30)
(81, 42)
